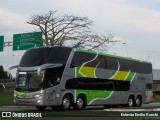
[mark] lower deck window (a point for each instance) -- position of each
(97, 84)
(148, 86)
(53, 76)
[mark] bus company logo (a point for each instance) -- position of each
(6, 114)
(14, 114)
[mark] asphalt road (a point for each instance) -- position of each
(152, 108)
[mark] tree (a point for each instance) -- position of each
(69, 30)
(3, 73)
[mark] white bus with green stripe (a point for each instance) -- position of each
(64, 77)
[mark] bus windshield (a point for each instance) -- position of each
(31, 81)
(28, 81)
(45, 55)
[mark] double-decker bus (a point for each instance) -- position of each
(64, 77)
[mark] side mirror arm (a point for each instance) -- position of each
(10, 68)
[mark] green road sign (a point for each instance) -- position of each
(1, 42)
(27, 40)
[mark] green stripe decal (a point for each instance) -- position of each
(23, 94)
(94, 94)
(121, 75)
(87, 71)
(130, 76)
(77, 74)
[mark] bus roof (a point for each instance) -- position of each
(100, 53)
(110, 55)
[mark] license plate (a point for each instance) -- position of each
(23, 102)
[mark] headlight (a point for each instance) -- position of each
(38, 101)
(36, 96)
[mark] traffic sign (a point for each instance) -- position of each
(27, 40)
(1, 42)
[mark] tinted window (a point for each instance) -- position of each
(111, 63)
(35, 57)
(59, 55)
(148, 86)
(82, 57)
(103, 63)
(43, 55)
(88, 59)
(53, 76)
(135, 66)
(107, 62)
(97, 84)
(28, 81)
(121, 85)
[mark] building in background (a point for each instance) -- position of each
(156, 81)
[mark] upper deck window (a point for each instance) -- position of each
(108, 62)
(43, 55)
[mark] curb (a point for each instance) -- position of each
(132, 110)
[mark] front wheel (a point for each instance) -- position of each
(80, 103)
(41, 107)
(66, 103)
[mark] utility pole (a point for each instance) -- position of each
(125, 43)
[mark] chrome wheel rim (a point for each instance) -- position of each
(130, 102)
(66, 103)
(138, 102)
(79, 103)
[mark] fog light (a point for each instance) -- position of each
(38, 101)
(37, 96)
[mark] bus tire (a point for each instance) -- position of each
(66, 103)
(41, 107)
(80, 103)
(130, 102)
(138, 101)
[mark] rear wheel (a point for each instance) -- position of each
(41, 107)
(66, 103)
(138, 101)
(80, 103)
(130, 101)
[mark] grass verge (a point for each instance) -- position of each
(6, 98)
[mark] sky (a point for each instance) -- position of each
(134, 22)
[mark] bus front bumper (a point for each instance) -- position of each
(29, 101)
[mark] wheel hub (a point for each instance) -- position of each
(137, 102)
(66, 103)
(79, 103)
(130, 102)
